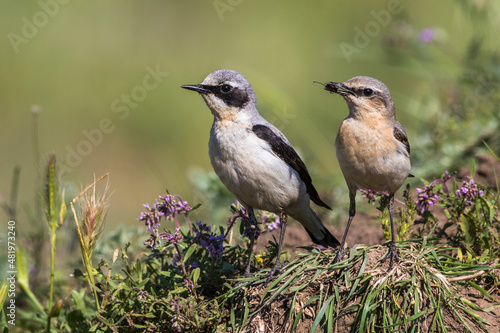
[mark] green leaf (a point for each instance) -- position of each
(472, 168)
(321, 314)
(195, 274)
(189, 252)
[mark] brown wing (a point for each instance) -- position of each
(400, 135)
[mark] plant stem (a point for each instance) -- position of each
(189, 223)
(52, 274)
(87, 261)
(85, 258)
(184, 269)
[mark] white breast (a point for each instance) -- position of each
(247, 166)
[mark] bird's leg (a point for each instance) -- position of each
(277, 264)
(352, 212)
(393, 253)
(253, 225)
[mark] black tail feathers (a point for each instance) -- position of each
(327, 240)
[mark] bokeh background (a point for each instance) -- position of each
(75, 63)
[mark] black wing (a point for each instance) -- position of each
(286, 152)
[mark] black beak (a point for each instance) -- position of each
(338, 88)
(196, 87)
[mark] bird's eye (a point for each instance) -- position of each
(225, 88)
(367, 92)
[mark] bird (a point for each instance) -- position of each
(256, 162)
(372, 147)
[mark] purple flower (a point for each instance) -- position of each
(239, 212)
(214, 244)
(468, 191)
(171, 238)
(249, 229)
(275, 224)
(189, 285)
(274, 221)
(427, 35)
(166, 206)
(143, 294)
(150, 218)
(171, 205)
(426, 197)
(176, 321)
(446, 176)
(370, 195)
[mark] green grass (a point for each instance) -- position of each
(415, 295)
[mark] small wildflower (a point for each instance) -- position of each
(427, 35)
(167, 206)
(259, 258)
(370, 195)
(275, 224)
(250, 229)
(469, 191)
(190, 285)
(150, 218)
(426, 197)
(171, 205)
(176, 320)
(446, 176)
(275, 221)
(172, 239)
(143, 294)
(214, 244)
(239, 212)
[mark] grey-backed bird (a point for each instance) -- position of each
(371, 146)
(255, 161)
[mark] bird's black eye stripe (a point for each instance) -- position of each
(221, 88)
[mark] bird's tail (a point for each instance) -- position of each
(318, 232)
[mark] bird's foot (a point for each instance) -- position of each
(247, 273)
(338, 258)
(392, 254)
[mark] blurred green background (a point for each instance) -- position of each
(77, 60)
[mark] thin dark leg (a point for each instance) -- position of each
(277, 264)
(393, 253)
(254, 226)
(352, 212)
